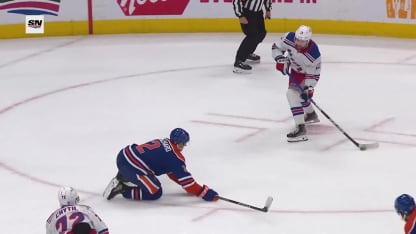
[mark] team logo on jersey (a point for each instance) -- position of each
(25, 7)
(152, 7)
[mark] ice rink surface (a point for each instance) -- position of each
(69, 104)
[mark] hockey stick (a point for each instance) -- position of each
(361, 146)
(264, 209)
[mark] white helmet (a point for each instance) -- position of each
(304, 33)
(67, 196)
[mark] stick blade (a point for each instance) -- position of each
(368, 146)
(268, 203)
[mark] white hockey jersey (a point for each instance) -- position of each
(64, 218)
(305, 64)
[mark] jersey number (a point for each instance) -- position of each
(74, 218)
(149, 146)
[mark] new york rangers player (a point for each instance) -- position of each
(297, 54)
(73, 218)
(405, 207)
(138, 166)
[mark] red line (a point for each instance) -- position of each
(250, 135)
(240, 139)
(305, 212)
(205, 215)
(340, 142)
(373, 129)
(331, 211)
(251, 118)
(394, 133)
(396, 143)
(379, 124)
(367, 140)
(8, 108)
(93, 194)
(225, 124)
(90, 18)
(37, 180)
(18, 60)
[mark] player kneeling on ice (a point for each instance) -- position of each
(73, 218)
(138, 166)
(405, 207)
(298, 56)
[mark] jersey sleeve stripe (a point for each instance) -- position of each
(298, 110)
(289, 42)
(309, 57)
(188, 185)
(186, 181)
(315, 77)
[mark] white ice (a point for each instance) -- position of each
(69, 104)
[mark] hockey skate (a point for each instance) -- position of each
(311, 118)
(253, 58)
(113, 188)
(241, 67)
(298, 134)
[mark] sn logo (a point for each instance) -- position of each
(35, 23)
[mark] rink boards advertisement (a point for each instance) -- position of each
(78, 17)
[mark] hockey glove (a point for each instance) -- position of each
(283, 68)
(307, 93)
(281, 59)
(208, 194)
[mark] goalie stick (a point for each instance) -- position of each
(361, 146)
(264, 209)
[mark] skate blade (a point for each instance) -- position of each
(297, 139)
(312, 121)
(241, 71)
(113, 183)
(252, 61)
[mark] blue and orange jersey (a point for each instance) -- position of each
(158, 157)
(410, 228)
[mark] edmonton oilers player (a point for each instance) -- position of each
(405, 207)
(138, 166)
(297, 53)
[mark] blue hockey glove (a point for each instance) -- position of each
(307, 93)
(208, 194)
